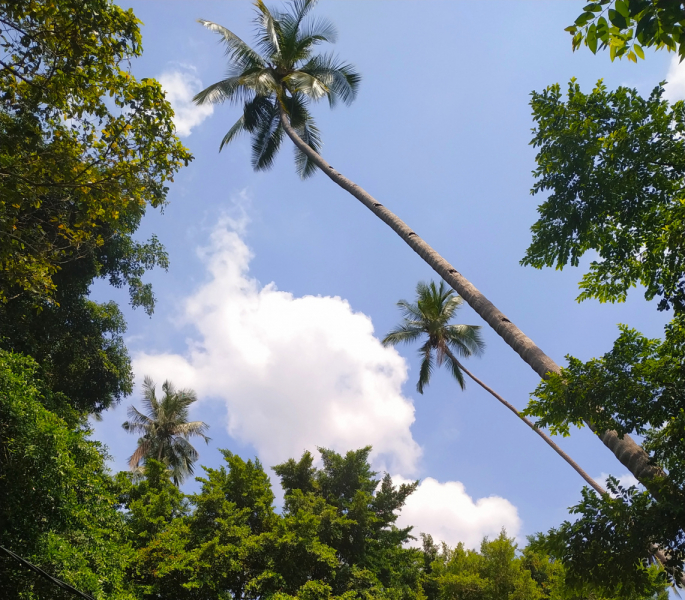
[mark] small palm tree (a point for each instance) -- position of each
(430, 316)
(165, 430)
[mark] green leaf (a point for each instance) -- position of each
(584, 18)
(617, 19)
(639, 51)
(593, 7)
(622, 8)
(591, 39)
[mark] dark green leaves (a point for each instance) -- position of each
(614, 164)
(637, 387)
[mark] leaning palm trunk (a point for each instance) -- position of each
(628, 452)
(532, 425)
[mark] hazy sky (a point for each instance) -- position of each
(279, 290)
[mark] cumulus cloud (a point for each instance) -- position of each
(294, 372)
(675, 88)
(180, 85)
(450, 515)
(300, 372)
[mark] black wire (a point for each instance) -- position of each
(50, 578)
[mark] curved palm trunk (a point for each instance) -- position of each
(628, 452)
(530, 424)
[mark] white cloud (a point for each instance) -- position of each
(300, 372)
(294, 372)
(675, 88)
(450, 515)
(180, 86)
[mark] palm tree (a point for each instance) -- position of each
(430, 316)
(276, 88)
(165, 430)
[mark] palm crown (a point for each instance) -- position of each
(280, 80)
(165, 429)
(430, 316)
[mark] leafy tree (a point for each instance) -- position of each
(613, 163)
(274, 95)
(84, 146)
(638, 386)
(493, 574)
(58, 503)
(165, 430)
(628, 26)
(501, 571)
(362, 529)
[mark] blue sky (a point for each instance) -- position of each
(279, 289)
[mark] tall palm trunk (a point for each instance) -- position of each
(628, 452)
(530, 424)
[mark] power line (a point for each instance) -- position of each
(50, 578)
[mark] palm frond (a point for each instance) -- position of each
(465, 339)
(261, 81)
(341, 79)
(198, 428)
(149, 396)
(300, 9)
(426, 370)
(450, 305)
(267, 139)
(238, 52)
(456, 371)
(138, 422)
(299, 82)
(306, 128)
(231, 89)
(316, 31)
(270, 30)
(233, 132)
(403, 334)
(141, 452)
(410, 310)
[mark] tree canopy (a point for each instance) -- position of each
(613, 163)
(85, 148)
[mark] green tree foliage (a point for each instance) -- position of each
(84, 146)
(335, 536)
(499, 570)
(639, 386)
(614, 164)
(58, 503)
(628, 26)
(430, 317)
(284, 74)
(165, 429)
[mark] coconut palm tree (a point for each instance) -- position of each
(430, 317)
(276, 87)
(165, 429)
